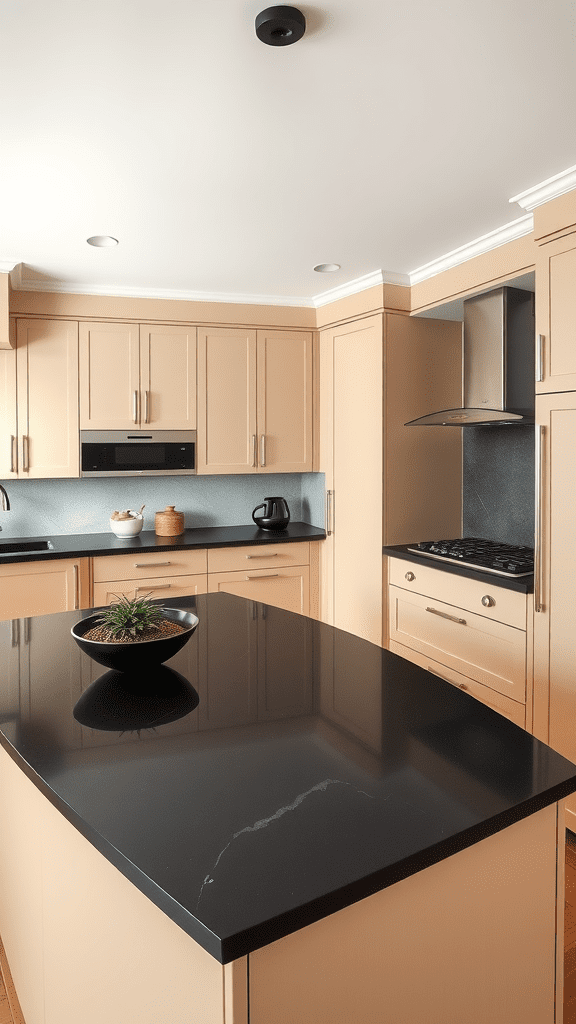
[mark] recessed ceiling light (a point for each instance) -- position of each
(327, 268)
(101, 241)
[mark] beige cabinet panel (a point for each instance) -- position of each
(109, 376)
(258, 556)
(158, 587)
(168, 377)
(511, 709)
(555, 624)
(227, 436)
(39, 588)
(556, 314)
(469, 940)
(489, 651)
(284, 403)
(135, 566)
(47, 388)
(8, 418)
(286, 586)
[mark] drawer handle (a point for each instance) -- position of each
(488, 601)
(445, 678)
(148, 565)
(268, 577)
(163, 586)
(444, 615)
(274, 554)
(409, 576)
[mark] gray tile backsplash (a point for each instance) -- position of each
(44, 507)
(498, 484)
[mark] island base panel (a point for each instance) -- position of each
(84, 944)
(469, 940)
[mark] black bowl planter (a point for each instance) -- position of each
(136, 655)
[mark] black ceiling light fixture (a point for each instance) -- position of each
(280, 26)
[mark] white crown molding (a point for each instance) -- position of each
(555, 186)
(360, 284)
(507, 233)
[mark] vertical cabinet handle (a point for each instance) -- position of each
(329, 513)
(540, 357)
(76, 594)
(538, 606)
(25, 452)
(146, 407)
(135, 407)
(263, 449)
(15, 632)
(27, 630)
(13, 453)
(254, 450)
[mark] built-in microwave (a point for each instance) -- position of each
(137, 452)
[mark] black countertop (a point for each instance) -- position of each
(315, 770)
(524, 584)
(80, 545)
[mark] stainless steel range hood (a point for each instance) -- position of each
(498, 362)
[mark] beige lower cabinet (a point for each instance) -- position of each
(39, 588)
(472, 634)
(173, 574)
(272, 574)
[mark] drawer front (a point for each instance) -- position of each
(258, 556)
(508, 605)
(135, 566)
(170, 586)
(511, 709)
(285, 587)
(491, 652)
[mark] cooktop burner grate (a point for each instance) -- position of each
(476, 553)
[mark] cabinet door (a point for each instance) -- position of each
(47, 389)
(556, 314)
(109, 376)
(286, 587)
(8, 420)
(168, 377)
(284, 411)
(39, 588)
(227, 439)
(555, 624)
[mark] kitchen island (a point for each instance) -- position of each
(285, 823)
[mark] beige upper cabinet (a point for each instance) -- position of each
(137, 376)
(556, 315)
(254, 401)
(39, 402)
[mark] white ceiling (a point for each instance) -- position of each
(392, 133)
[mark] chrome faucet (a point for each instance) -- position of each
(4, 501)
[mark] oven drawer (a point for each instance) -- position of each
(507, 605)
(492, 652)
(511, 709)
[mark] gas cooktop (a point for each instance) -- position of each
(476, 553)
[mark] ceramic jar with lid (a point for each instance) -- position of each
(169, 523)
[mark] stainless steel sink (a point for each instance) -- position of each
(23, 547)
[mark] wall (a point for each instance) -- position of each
(498, 484)
(44, 507)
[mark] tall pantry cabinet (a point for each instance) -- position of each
(555, 561)
(386, 483)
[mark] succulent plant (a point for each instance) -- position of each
(126, 618)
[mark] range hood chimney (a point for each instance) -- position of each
(498, 362)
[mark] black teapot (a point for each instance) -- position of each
(276, 515)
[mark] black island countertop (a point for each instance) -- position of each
(275, 771)
(81, 545)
